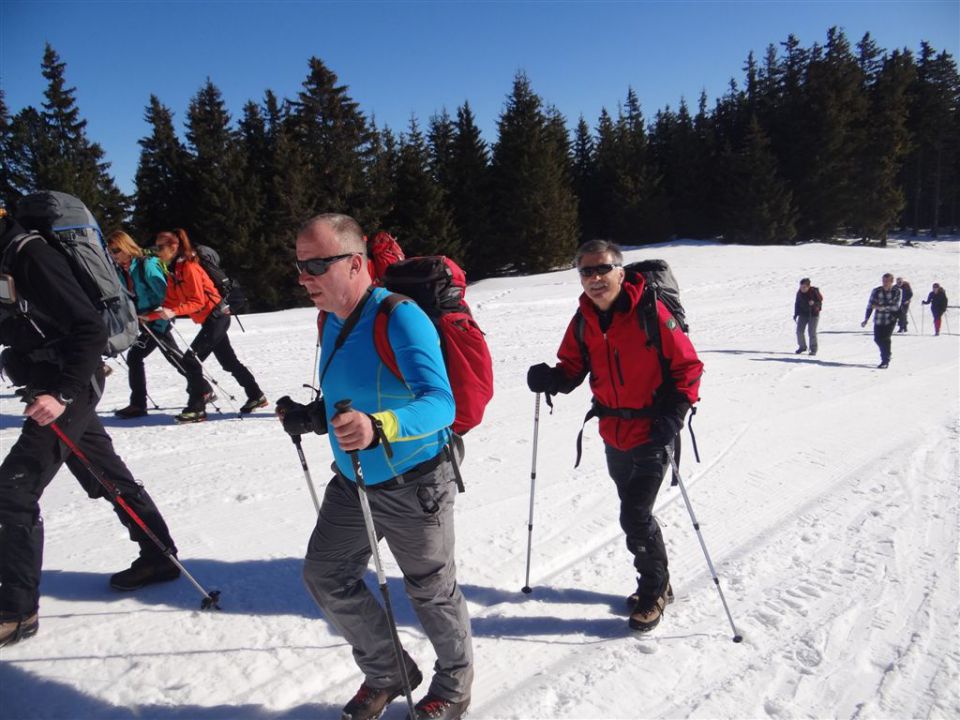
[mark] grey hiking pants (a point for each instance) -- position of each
(416, 518)
(808, 323)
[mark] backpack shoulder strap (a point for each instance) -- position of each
(580, 323)
(650, 322)
(381, 340)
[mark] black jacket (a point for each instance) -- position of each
(802, 306)
(59, 346)
(937, 302)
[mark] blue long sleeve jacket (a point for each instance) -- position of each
(415, 412)
(150, 286)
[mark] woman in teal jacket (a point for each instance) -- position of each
(146, 278)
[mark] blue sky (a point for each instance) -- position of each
(403, 58)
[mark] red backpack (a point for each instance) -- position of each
(437, 284)
(382, 252)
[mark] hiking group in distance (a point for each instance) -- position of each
(397, 437)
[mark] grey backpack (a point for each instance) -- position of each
(66, 224)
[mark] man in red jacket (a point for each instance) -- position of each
(640, 401)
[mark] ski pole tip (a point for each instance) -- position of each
(212, 600)
(526, 589)
(738, 638)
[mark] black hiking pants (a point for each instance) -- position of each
(28, 468)
(213, 338)
(881, 336)
(638, 473)
(141, 349)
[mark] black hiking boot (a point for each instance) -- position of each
(143, 572)
(370, 703)
(799, 350)
(884, 365)
(130, 411)
(435, 707)
(14, 628)
(252, 404)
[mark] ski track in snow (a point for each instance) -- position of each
(827, 497)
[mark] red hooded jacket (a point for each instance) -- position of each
(624, 371)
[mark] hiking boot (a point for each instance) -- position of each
(369, 703)
(191, 416)
(648, 611)
(130, 411)
(799, 350)
(884, 365)
(813, 352)
(252, 404)
(438, 708)
(634, 598)
(145, 571)
(13, 629)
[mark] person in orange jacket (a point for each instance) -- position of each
(191, 293)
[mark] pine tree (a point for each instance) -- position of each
(10, 178)
(420, 219)
(537, 213)
(878, 198)
(380, 177)
(61, 156)
(222, 210)
(469, 195)
(160, 195)
(757, 206)
(332, 135)
(585, 181)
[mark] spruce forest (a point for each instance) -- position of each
(832, 140)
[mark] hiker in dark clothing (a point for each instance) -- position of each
(906, 294)
(641, 402)
(806, 313)
(59, 370)
(884, 304)
(937, 300)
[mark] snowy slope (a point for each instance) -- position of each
(827, 497)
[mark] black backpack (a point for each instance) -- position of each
(229, 288)
(66, 224)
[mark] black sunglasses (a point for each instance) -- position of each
(319, 266)
(590, 270)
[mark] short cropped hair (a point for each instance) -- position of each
(599, 246)
(347, 230)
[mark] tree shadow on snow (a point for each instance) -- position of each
(24, 695)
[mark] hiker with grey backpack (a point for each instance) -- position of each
(644, 376)
(54, 334)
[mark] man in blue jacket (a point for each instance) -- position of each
(399, 428)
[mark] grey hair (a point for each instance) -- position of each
(599, 246)
(347, 231)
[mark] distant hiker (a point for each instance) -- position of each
(641, 408)
(906, 294)
(399, 429)
(53, 353)
(937, 300)
(146, 278)
(806, 313)
(884, 304)
(191, 292)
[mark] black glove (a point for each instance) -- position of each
(542, 378)
(299, 419)
(666, 425)
(15, 367)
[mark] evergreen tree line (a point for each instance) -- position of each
(816, 142)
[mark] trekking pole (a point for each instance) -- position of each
(737, 637)
(124, 362)
(912, 319)
(211, 598)
(342, 407)
(210, 378)
(306, 471)
(533, 480)
(176, 355)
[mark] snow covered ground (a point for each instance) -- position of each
(827, 496)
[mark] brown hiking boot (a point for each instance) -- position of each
(647, 611)
(370, 703)
(14, 628)
(434, 707)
